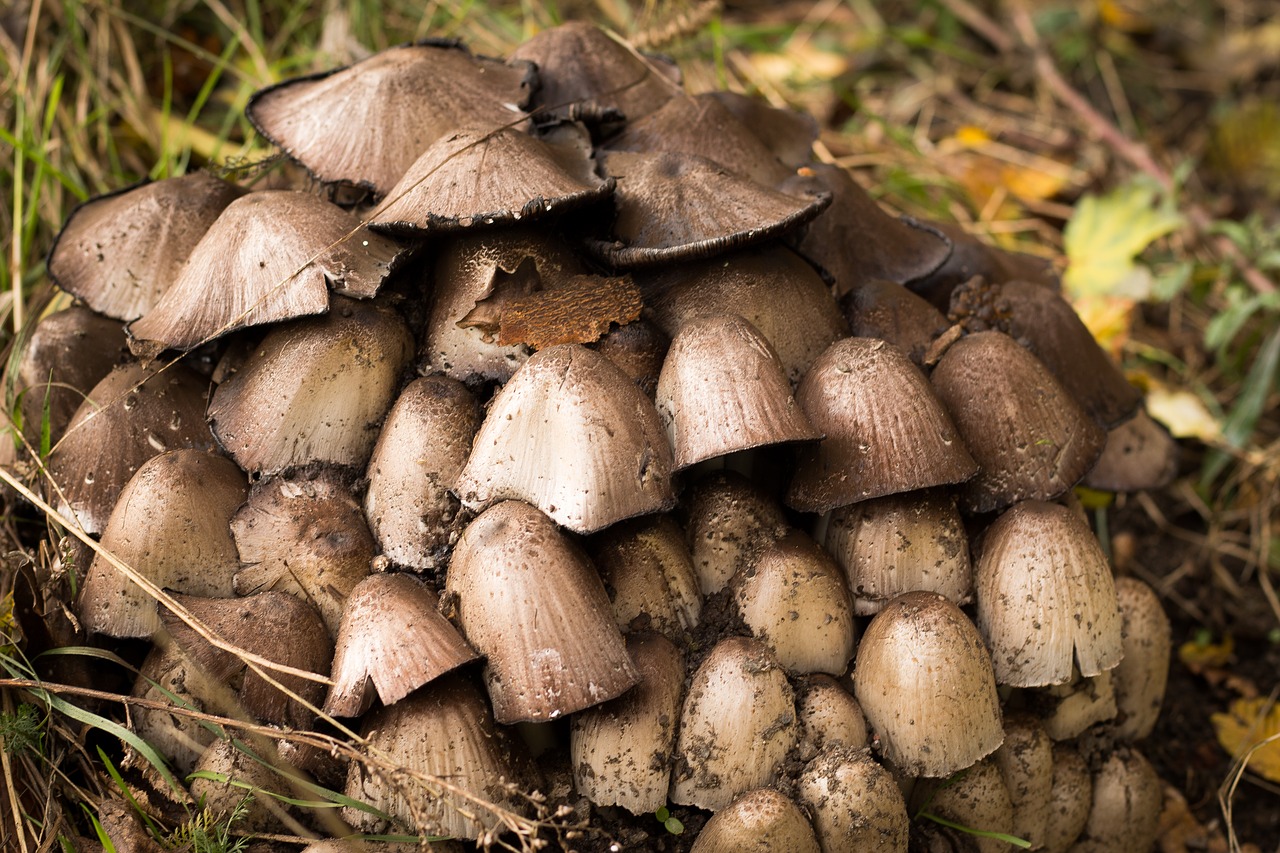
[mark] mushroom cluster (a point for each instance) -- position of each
(601, 401)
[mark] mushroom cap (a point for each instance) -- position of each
(541, 442)
(480, 176)
(856, 804)
(533, 605)
(1045, 597)
(788, 134)
(883, 309)
(1031, 439)
(648, 571)
(393, 640)
(639, 348)
(723, 389)
(1068, 710)
(1070, 801)
(762, 820)
(1143, 673)
(1026, 761)
(731, 521)
(886, 431)
(1139, 455)
(970, 257)
(829, 716)
(924, 680)
(168, 676)
(120, 252)
(272, 255)
(315, 390)
(681, 207)
(977, 798)
(170, 524)
(366, 123)
(1127, 800)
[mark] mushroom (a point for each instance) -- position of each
(639, 348)
(731, 521)
(762, 820)
(788, 134)
(855, 803)
(1026, 762)
(1070, 801)
(1127, 795)
(1069, 709)
(970, 257)
(1139, 455)
(829, 716)
(648, 571)
(976, 799)
(884, 309)
(1143, 672)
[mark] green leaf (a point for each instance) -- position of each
(1106, 233)
(1239, 423)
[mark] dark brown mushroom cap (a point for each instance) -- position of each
(120, 252)
(274, 625)
(639, 349)
(673, 206)
(883, 309)
(855, 241)
(365, 124)
(128, 417)
(886, 431)
(270, 256)
(392, 640)
(480, 176)
(315, 390)
(581, 70)
(970, 257)
(1031, 439)
(534, 606)
(788, 134)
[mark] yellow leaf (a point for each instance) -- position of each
(1106, 233)
(1251, 723)
(1108, 318)
(1196, 655)
(970, 136)
(1183, 414)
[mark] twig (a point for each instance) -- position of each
(977, 20)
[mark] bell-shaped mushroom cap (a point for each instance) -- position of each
(723, 389)
(795, 600)
(621, 750)
(1025, 761)
(365, 124)
(120, 252)
(1143, 672)
(977, 799)
(420, 453)
(1045, 597)
(731, 521)
(884, 309)
(899, 543)
(1139, 455)
(1031, 439)
(646, 567)
(69, 352)
(855, 241)
(924, 680)
(703, 126)
(170, 525)
(762, 820)
(274, 625)
(681, 207)
(227, 776)
(1127, 799)
(1071, 799)
(541, 442)
(773, 289)
(856, 804)
(829, 716)
(737, 728)
(581, 70)
(885, 430)
(304, 535)
(314, 391)
(476, 277)
(455, 766)
(168, 677)
(270, 256)
(479, 176)
(128, 417)
(639, 348)
(533, 605)
(788, 134)
(392, 640)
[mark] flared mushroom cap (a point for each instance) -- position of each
(681, 207)
(481, 176)
(533, 605)
(304, 535)
(723, 389)
(795, 600)
(1031, 439)
(1143, 672)
(582, 71)
(899, 543)
(274, 625)
(1025, 761)
(1045, 597)
(923, 678)
(131, 415)
(120, 252)
(315, 390)
(442, 732)
(731, 521)
(737, 727)
(855, 241)
(772, 288)
(648, 571)
(762, 820)
(883, 309)
(1070, 801)
(788, 134)
(977, 799)
(271, 256)
(1139, 455)
(366, 123)
(829, 716)
(1127, 800)
(855, 803)
(886, 432)
(392, 640)
(621, 750)
(170, 524)
(421, 449)
(541, 442)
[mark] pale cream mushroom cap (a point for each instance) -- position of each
(1143, 673)
(856, 804)
(762, 820)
